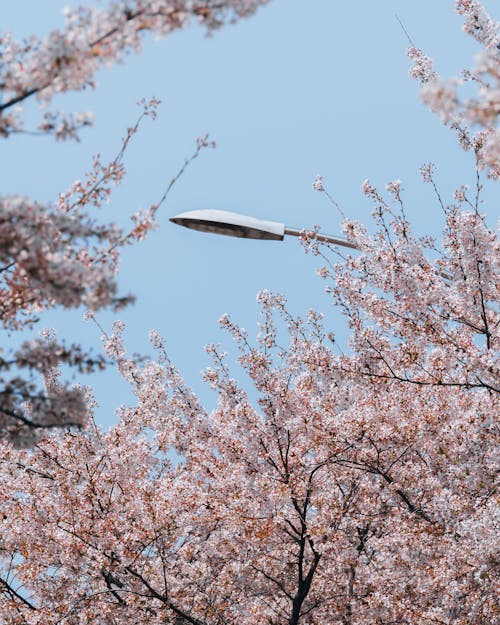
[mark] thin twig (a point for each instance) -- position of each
(405, 31)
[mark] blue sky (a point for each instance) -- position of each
(301, 88)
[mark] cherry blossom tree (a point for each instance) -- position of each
(353, 487)
(345, 488)
(61, 254)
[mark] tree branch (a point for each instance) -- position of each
(15, 595)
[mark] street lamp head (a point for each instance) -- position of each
(230, 224)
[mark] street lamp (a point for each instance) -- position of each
(242, 226)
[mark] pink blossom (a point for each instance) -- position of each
(444, 97)
(318, 183)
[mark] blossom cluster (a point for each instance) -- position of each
(59, 254)
(93, 38)
(462, 114)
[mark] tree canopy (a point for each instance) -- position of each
(352, 488)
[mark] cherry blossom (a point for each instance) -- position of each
(462, 114)
(318, 183)
(93, 37)
(61, 253)
(57, 255)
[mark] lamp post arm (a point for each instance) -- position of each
(324, 238)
